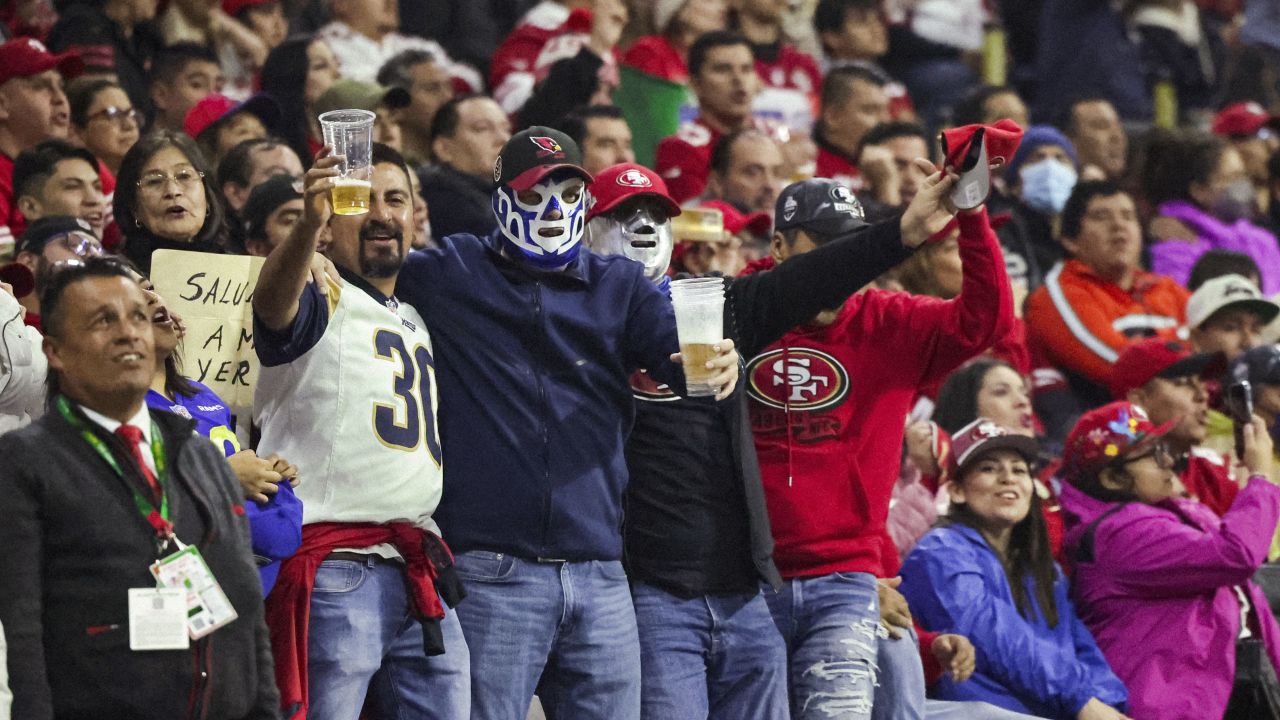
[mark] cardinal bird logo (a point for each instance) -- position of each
(547, 147)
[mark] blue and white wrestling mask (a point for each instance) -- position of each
(544, 224)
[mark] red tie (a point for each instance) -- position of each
(132, 438)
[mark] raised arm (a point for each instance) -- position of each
(285, 273)
(768, 304)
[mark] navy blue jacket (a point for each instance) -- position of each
(535, 402)
(954, 583)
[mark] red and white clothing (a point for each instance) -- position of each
(827, 407)
(684, 159)
(832, 164)
(655, 55)
(547, 33)
(361, 57)
(8, 208)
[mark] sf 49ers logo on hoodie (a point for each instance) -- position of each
(797, 378)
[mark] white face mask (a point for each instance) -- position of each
(1047, 184)
(642, 234)
(543, 242)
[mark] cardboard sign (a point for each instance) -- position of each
(212, 294)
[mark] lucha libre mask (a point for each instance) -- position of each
(529, 231)
(641, 233)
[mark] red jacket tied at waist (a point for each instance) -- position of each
(289, 605)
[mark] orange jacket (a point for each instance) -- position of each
(1082, 322)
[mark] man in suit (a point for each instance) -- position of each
(98, 490)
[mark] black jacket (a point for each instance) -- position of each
(669, 452)
(74, 544)
(85, 28)
(457, 202)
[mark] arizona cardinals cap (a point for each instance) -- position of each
(972, 151)
(819, 205)
(534, 153)
(621, 182)
(24, 57)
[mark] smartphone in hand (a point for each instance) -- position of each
(1239, 405)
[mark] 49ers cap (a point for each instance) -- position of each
(534, 153)
(624, 181)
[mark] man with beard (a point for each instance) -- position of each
(348, 387)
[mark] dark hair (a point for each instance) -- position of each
(236, 165)
(284, 79)
(57, 282)
(1175, 160)
(957, 404)
(1216, 263)
(1029, 554)
(1273, 166)
(829, 15)
(722, 151)
(82, 93)
(972, 107)
(1078, 203)
(893, 129)
(172, 61)
(1069, 122)
(387, 154)
(575, 123)
(33, 168)
(445, 122)
(131, 172)
(837, 86)
(707, 42)
(395, 71)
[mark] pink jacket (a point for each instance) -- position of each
(1158, 593)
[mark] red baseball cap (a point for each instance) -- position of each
(231, 7)
(621, 182)
(1118, 431)
(981, 436)
(734, 220)
(24, 57)
(1242, 119)
(215, 107)
(972, 151)
(1155, 357)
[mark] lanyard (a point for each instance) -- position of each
(157, 519)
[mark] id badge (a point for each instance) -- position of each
(207, 605)
(158, 619)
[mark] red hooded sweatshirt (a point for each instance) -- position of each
(828, 406)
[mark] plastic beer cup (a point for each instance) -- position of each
(699, 308)
(350, 134)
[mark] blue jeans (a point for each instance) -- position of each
(714, 656)
(364, 640)
(830, 625)
(569, 624)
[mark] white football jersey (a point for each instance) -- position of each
(356, 413)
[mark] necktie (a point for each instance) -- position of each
(132, 438)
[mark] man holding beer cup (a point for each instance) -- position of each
(537, 340)
(698, 544)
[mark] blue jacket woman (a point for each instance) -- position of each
(1034, 654)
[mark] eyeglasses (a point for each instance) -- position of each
(79, 243)
(156, 182)
(1159, 452)
(119, 116)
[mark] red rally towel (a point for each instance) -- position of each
(289, 604)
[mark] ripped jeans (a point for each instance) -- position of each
(830, 626)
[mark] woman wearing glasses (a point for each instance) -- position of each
(986, 572)
(103, 120)
(165, 199)
(1163, 582)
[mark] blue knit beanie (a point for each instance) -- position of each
(1039, 136)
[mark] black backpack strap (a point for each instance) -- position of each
(1084, 551)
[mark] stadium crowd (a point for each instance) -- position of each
(992, 422)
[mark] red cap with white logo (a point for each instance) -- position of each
(621, 182)
(24, 57)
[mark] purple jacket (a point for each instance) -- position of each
(1158, 595)
(1175, 257)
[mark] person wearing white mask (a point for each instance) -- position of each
(1041, 176)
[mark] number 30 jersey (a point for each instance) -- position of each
(348, 395)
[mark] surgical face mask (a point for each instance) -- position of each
(642, 234)
(1047, 184)
(1237, 201)
(530, 231)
